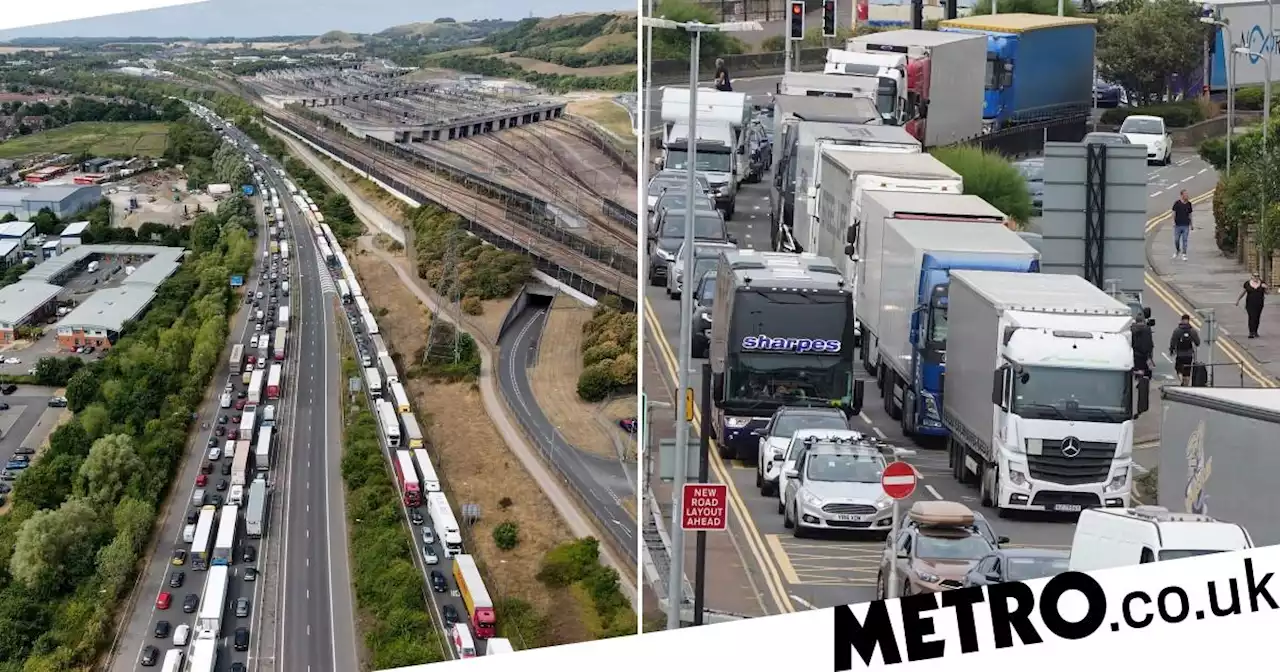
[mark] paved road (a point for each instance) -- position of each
(604, 484)
(823, 572)
(139, 631)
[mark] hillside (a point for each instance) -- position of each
(572, 41)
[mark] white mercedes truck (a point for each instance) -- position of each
(1056, 431)
(718, 139)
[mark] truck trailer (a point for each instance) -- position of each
(446, 524)
(1056, 431)
(237, 357)
(412, 431)
(389, 421)
(407, 477)
(475, 597)
(262, 450)
(1044, 66)
(846, 175)
(943, 74)
(916, 263)
(225, 542)
(214, 602)
(1239, 426)
(280, 338)
(792, 199)
(273, 381)
(255, 514)
(256, 380)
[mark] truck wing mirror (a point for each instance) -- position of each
(997, 388)
(717, 385)
(851, 235)
(855, 407)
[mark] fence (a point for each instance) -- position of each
(739, 65)
(520, 209)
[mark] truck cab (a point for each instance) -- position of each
(1110, 538)
(719, 139)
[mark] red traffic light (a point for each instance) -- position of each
(797, 8)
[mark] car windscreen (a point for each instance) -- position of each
(790, 423)
(1142, 126)
(951, 547)
(705, 225)
(1027, 568)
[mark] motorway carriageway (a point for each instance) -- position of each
(796, 574)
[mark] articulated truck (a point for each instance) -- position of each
(475, 596)
(1056, 431)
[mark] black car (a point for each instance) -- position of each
(212, 442)
(237, 667)
(215, 499)
(5, 406)
(9, 389)
(190, 603)
(206, 468)
(250, 574)
(249, 554)
(786, 421)
(192, 517)
(176, 579)
(1016, 564)
(222, 485)
(242, 607)
(242, 639)
(162, 629)
(226, 468)
(438, 582)
(449, 614)
(222, 420)
(415, 517)
(220, 431)
(24, 450)
(150, 655)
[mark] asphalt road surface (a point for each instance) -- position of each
(815, 573)
(604, 484)
(139, 631)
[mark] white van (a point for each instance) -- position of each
(181, 634)
(197, 497)
(1108, 538)
(189, 533)
(462, 642)
(225, 401)
(229, 450)
(284, 287)
(235, 496)
(172, 661)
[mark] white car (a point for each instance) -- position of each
(12, 360)
(797, 445)
(775, 436)
(215, 453)
(1141, 129)
(837, 487)
(429, 556)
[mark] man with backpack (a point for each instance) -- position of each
(1182, 347)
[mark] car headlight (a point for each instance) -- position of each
(735, 423)
(706, 317)
(812, 500)
(884, 504)
(928, 578)
(665, 255)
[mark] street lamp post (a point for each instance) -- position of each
(683, 415)
(1225, 27)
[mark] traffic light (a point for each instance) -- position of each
(829, 18)
(797, 19)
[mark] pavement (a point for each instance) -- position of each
(604, 484)
(789, 574)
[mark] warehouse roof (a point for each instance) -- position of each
(56, 267)
(155, 271)
(109, 309)
(19, 300)
(45, 193)
(7, 246)
(74, 229)
(16, 229)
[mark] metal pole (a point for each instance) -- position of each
(786, 63)
(1204, 92)
(676, 586)
(646, 80)
(1061, 10)
(891, 590)
(1231, 99)
(704, 476)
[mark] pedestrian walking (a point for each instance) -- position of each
(722, 76)
(1254, 295)
(1181, 225)
(1144, 344)
(1182, 347)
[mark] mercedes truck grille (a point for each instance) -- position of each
(1074, 463)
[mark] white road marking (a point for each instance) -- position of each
(863, 415)
(1156, 193)
(897, 480)
(1166, 356)
(877, 431)
(804, 603)
(1202, 171)
(933, 491)
(1188, 179)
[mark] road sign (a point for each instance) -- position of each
(898, 480)
(705, 507)
(689, 404)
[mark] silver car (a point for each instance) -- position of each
(837, 487)
(676, 197)
(706, 256)
(665, 179)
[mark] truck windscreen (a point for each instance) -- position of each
(709, 162)
(1075, 395)
(787, 347)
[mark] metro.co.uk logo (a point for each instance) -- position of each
(1258, 43)
(765, 342)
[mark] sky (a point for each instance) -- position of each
(251, 18)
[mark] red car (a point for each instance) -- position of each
(240, 404)
(201, 480)
(233, 434)
(162, 602)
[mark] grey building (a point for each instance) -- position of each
(21, 303)
(65, 200)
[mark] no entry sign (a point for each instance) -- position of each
(898, 480)
(706, 507)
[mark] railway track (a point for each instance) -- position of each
(491, 213)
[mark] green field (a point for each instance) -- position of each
(100, 138)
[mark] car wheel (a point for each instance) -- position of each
(759, 480)
(797, 530)
(653, 278)
(782, 511)
(786, 518)
(769, 489)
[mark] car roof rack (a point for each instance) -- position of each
(941, 514)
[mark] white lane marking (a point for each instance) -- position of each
(863, 415)
(1202, 171)
(877, 431)
(933, 491)
(1182, 162)
(1156, 193)
(804, 603)
(1166, 356)
(1188, 179)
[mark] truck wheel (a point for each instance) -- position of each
(880, 379)
(986, 491)
(895, 409)
(908, 413)
(864, 349)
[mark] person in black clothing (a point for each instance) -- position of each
(722, 76)
(1254, 295)
(1181, 225)
(1182, 347)
(1144, 345)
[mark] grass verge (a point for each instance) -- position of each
(100, 138)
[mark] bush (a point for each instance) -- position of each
(609, 348)
(576, 565)
(471, 305)
(1225, 231)
(569, 562)
(57, 371)
(1249, 98)
(595, 382)
(992, 177)
(1176, 115)
(483, 272)
(506, 535)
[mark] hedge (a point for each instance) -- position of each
(609, 353)
(1176, 115)
(483, 272)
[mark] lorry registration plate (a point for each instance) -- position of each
(1067, 508)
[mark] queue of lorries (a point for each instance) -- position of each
(1033, 392)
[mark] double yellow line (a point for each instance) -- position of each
(1162, 290)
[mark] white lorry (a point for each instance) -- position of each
(255, 513)
(794, 196)
(846, 174)
(1056, 431)
(719, 139)
(213, 603)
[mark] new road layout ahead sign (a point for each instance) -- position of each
(706, 507)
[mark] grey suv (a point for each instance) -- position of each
(706, 257)
(668, 236)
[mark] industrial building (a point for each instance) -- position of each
(10, 253)
(64, 200)
(23, 303)
(22, 232)
(100, 318)
(71, 235)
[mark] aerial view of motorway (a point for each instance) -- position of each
(832, 243)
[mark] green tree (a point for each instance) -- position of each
(112, 461)
(54, 548)
(674, 44)
(48, 482)
(990, 176)
(1048, 7)
(205, 233)
(82, 388)
(1142, 49)
(506, 535)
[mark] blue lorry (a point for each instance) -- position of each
(915, 241)
(1039, 68)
